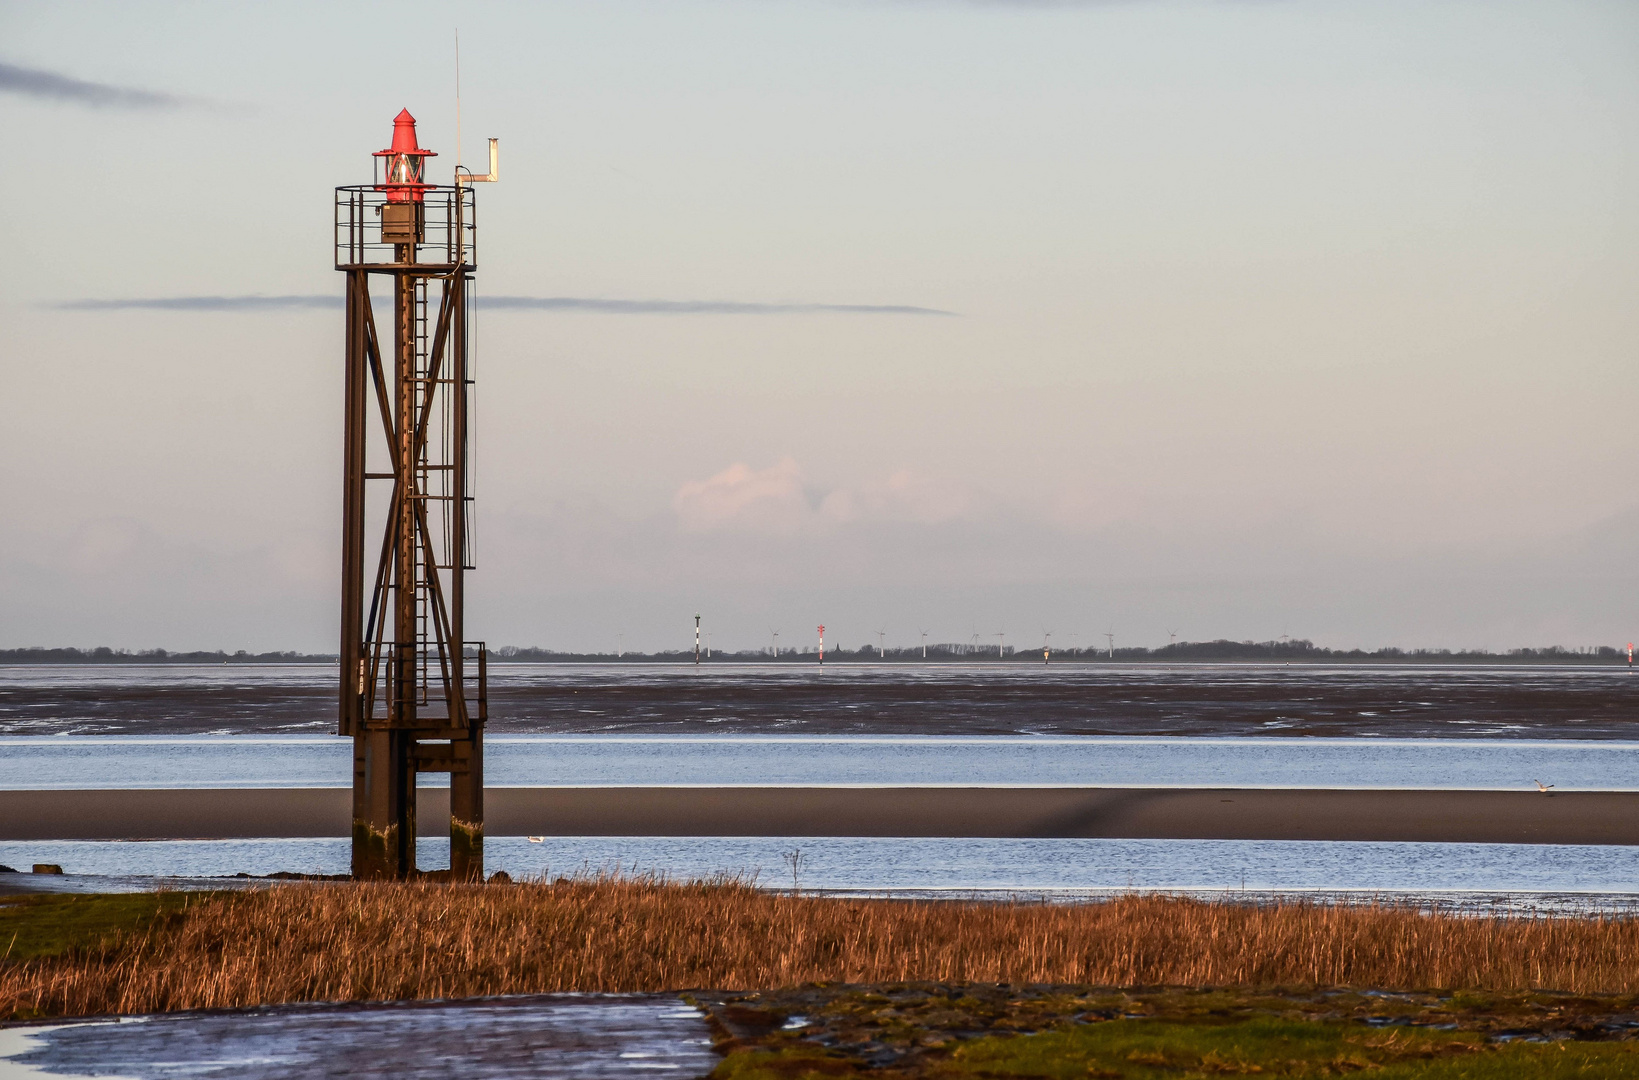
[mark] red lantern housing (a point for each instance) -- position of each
(403, 216)
(406, 162)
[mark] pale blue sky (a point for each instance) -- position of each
(1270, 317)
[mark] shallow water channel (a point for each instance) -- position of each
(236, 761)
(591, 1036)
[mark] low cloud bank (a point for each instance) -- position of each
(779, 500)
(501, 303)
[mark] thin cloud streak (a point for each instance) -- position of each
(504, 303)
(203, 303)
(695, 307)
(49, 85)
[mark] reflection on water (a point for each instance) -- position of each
(1059, 868)
(560, 1035)
(33, 762)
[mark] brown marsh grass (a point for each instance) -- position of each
(398, 941)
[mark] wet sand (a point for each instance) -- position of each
(1125, 813)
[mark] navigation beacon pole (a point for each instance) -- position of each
(413, 689)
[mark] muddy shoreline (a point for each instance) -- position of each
(1224, 700)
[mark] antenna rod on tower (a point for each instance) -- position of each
(458, 101)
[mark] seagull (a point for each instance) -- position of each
(542, 839)
(1541, 786)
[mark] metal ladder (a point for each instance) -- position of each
(425, 657)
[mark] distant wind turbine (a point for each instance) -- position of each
(1110, 633)
(1045, 652)
(774, 636)
(881, 653)
(1001, 643)
(924, 644)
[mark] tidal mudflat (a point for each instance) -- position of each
(1377, 700)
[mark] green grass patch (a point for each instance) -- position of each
(787, 1063)
(1163, 1050)
(56, 924)
(1152, 1050)
(999, 1031)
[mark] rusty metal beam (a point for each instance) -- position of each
(352, 541)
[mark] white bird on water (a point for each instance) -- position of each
(537, 839)
(1541, 786)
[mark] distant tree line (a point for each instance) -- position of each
(156, 656)
(1222, 651)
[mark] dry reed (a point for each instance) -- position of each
(386, 941)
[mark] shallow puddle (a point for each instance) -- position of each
(558, 1035)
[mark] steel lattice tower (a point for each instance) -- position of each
(413, 688)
